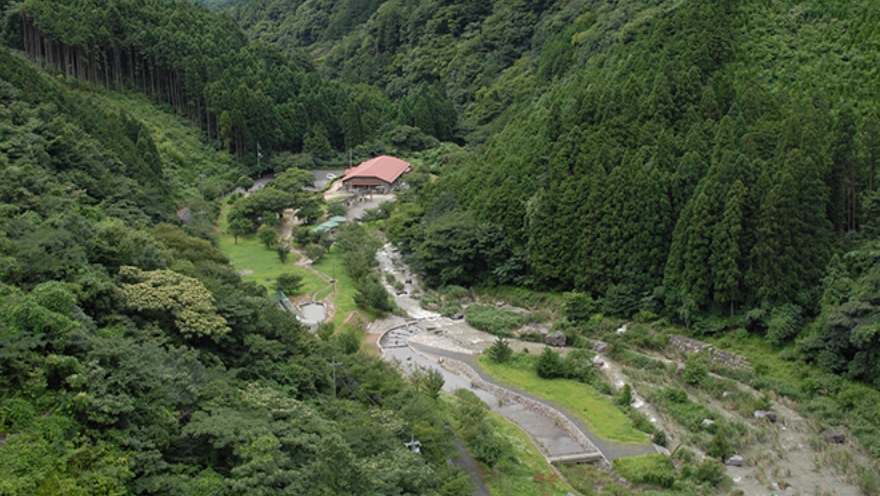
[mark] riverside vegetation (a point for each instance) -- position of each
(699, 167)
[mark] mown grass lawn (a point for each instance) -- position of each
(250, 254)
(579, 399)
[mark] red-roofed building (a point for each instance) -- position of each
(380, 174)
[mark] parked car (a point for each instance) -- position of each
(331, 176)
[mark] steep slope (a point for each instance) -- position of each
(693, 159)
(134, 359)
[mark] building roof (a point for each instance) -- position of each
(330, 224)
(386, 168)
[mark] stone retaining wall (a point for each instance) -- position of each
(462, 369)
(688, 346)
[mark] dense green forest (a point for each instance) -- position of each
(133, 359)
(712, 162)
(243, 95)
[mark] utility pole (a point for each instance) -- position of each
(259, 156)
(334, 364)
(349, 158)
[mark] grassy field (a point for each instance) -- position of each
(250, 254)
(577, 398)
(324, 293)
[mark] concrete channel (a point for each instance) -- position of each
(429, 340)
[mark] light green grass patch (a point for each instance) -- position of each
(579, 399)
(250, 255)
(320, 295)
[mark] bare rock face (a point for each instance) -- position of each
(464, 300)
(600, 347)
(679, 369)
(765, 414)
(734, 461)
(707, 422)
(834, 437)
(555, 339)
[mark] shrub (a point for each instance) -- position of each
(453, 291)
(430, 301)
(267, 235)
(644, 337)
(470, 409)
(660, 438)
(721, 447)
(371, 293)
(244, 182)
(579, 306)
(710, 472)
(695, 370)
(302, 235)
(336, 209)
(642, 422)
(625, 398)
(429, 382)
(288, 282)
(549, 364)
(531, 336)
(500, 351)
(643, 316)
(315, 252)
(349, 341)
(326, 330)
(493, 320)
(621, 300)
(653, 469)
(785, 322)
(283, 251)
(487, 446)
(449, 309)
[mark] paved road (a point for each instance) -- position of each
(357, 209)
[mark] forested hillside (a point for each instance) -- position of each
(701, 160)
(242, 95)
(708, 164)
(133, 359)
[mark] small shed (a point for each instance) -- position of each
(333, 223)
